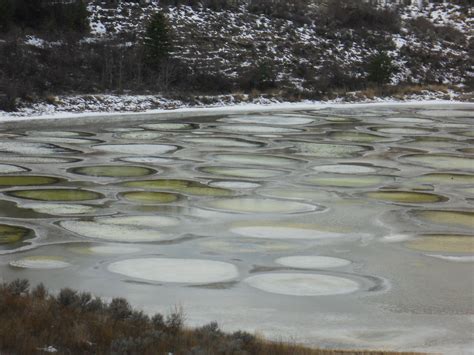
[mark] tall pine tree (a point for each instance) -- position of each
(157, 40)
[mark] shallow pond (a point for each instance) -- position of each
(338, 227)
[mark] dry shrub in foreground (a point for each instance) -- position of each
(72, 322)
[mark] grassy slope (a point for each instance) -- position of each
(77, 323)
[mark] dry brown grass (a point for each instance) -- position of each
(400, 91)
(77, 323)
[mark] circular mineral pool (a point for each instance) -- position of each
(13, 234)
(405, 196)
(56, 194)
(441, 161)
(149, 160)
(286, 232)
(345, 169)
(466, 134)
(167, 126)
(106, 250)
(27, 180)
(455, 258)
(112, 171)
(149, 197)
(241, 128)
(243, 245)
(434, 142)
(140, 135)
(255, 159)
(469, 150)
(36, 160)
(347, 180)
(325, 150)
(234, 184)
(403, 130)
(340, 119)
(196, 271)
(60, 140)
(222, 142)
(123, 229)
(251, 173)
(256, 205)
(146, 221)
(409, 120)
(279, 120)
(358, 137)
(312, 262)
(298, 193)
(447, 113)
(60, 209)
(30, 148)
(9, 169)
(40, 262)
(298, 284)
(443, 243)
(446, 179)
(183, 186)
(142, 149)
(63, 134)
(447, 217)
(124, 129)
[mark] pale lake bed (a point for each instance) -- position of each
(346, 228)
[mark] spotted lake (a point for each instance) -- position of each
(339, 227)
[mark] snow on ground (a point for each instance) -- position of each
(236, 108)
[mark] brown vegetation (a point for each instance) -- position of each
(77, 323)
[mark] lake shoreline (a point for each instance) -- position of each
(39, 117)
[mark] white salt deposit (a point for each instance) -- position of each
(312, 262)
(255, 205)
(256, 129)
(234, 184)
(176, 270)
(40, 262)
(29, 148)
(149, 160)
(147, 149)
(345, 169)
(293, 284)
(279, 120)
(409, 120)
(131, 233)
(456, 258)
(7, 169)
(59, 209)
(282, 232)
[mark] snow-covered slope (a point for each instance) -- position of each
(226, 42)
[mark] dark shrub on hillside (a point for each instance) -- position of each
(334, 75)
(216, 5)
(44, 15)
(359, 15)
(426, 30)
(211, 83)
(261, 76)
(296, 10)
(380, 68)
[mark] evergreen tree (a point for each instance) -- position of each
(380, 68)
(157, 40)
(6, 14)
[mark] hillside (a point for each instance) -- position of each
(348, 49)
